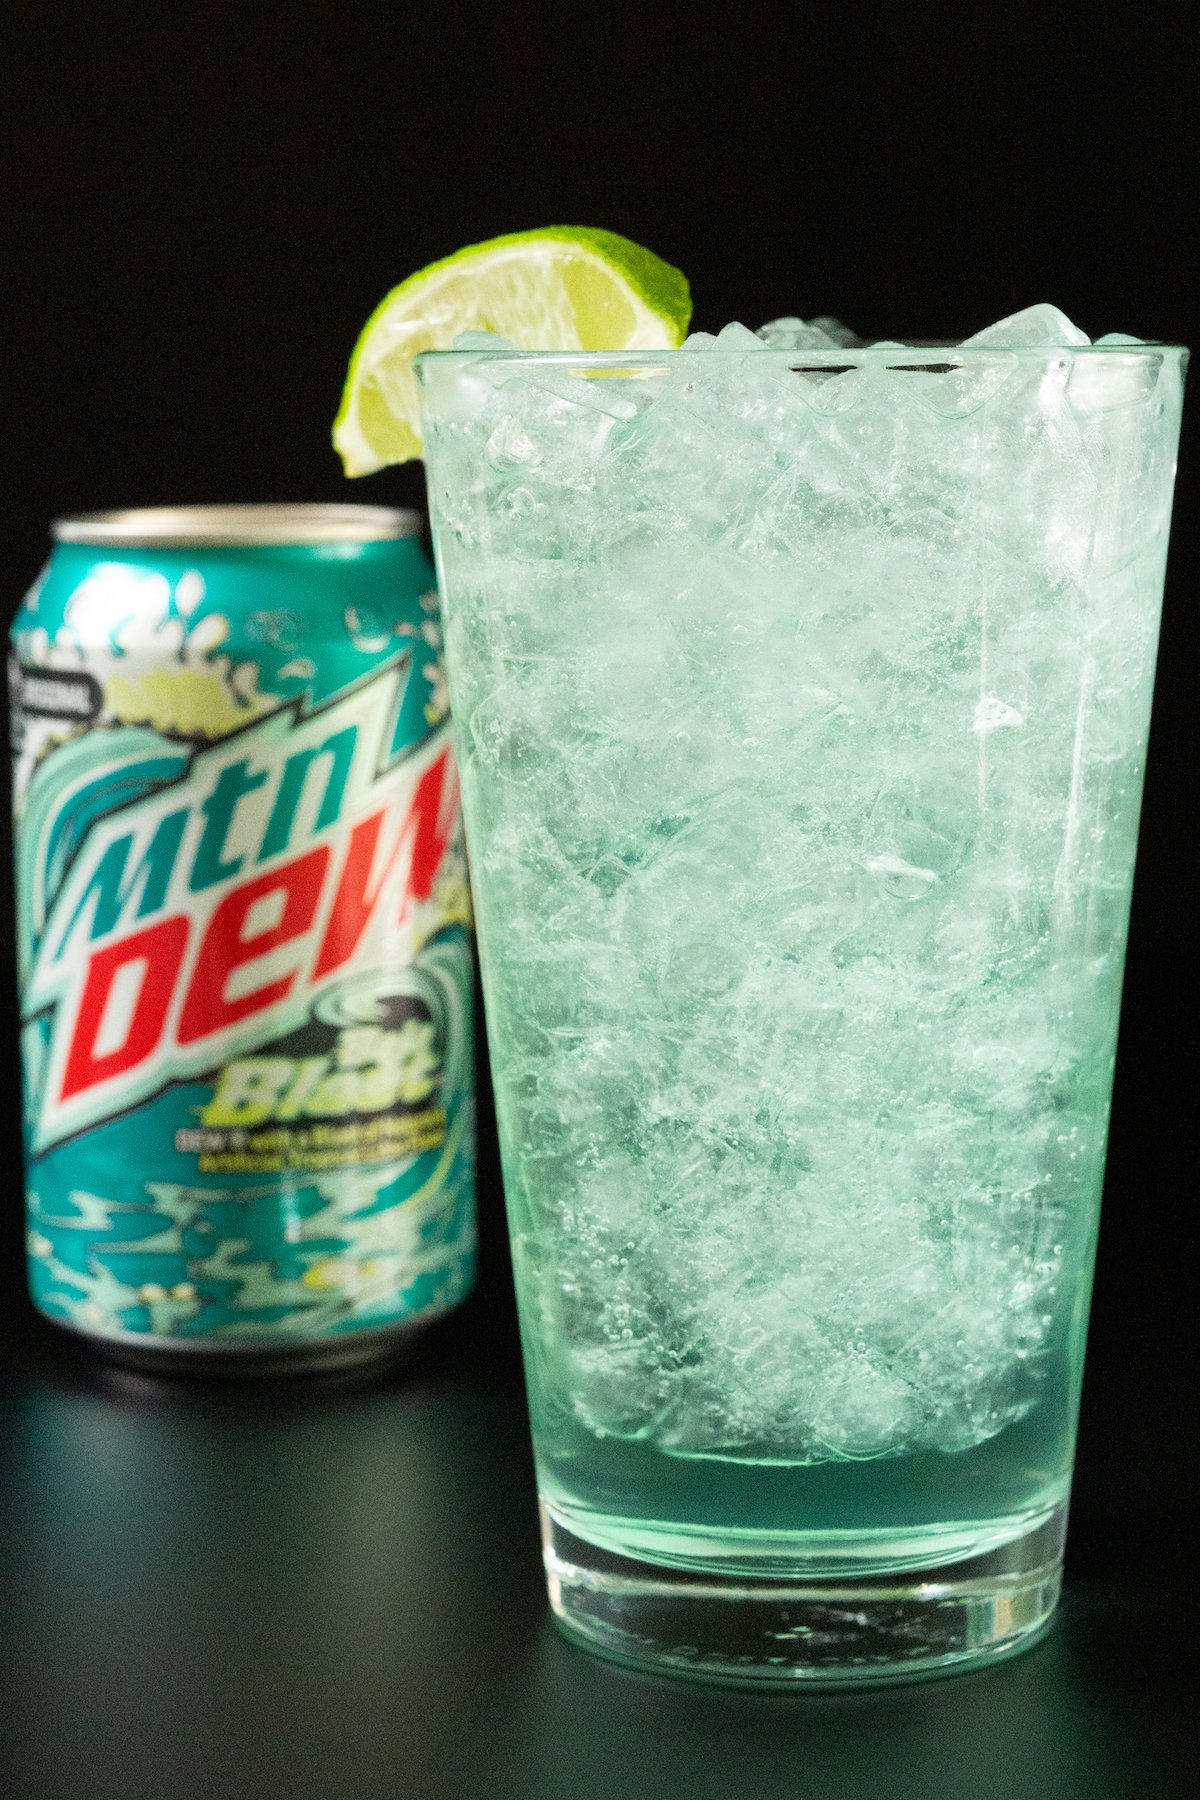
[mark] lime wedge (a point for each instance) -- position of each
(564, 288)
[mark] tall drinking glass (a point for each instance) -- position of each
(801, 703)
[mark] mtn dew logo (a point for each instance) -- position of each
(244, 942)
(206, 918)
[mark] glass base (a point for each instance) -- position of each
(806, 1629)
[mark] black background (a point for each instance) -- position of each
(200, 208)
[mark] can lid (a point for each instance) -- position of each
(187, 527)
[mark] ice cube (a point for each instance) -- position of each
(993, 714)
(619, 1388)
(833, 328)
(737, 337)
(593, 395)
(956, 393)
(731, 337)
(482, 340)
(902, 880)
(864, 1410)
(1036, 328)
(1100, 384)
(796, 334)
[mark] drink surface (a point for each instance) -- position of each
(802, 719)
(243, 931)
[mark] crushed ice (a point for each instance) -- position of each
(810, 1125)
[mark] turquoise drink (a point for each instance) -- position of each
(801, 699)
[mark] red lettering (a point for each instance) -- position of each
(160, 948)
(226, 947)
(428, 825)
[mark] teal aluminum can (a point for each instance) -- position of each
(244, 937)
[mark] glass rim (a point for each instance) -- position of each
(920, 355)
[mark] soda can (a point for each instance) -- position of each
(243, 938)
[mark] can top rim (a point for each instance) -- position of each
(246, 525)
